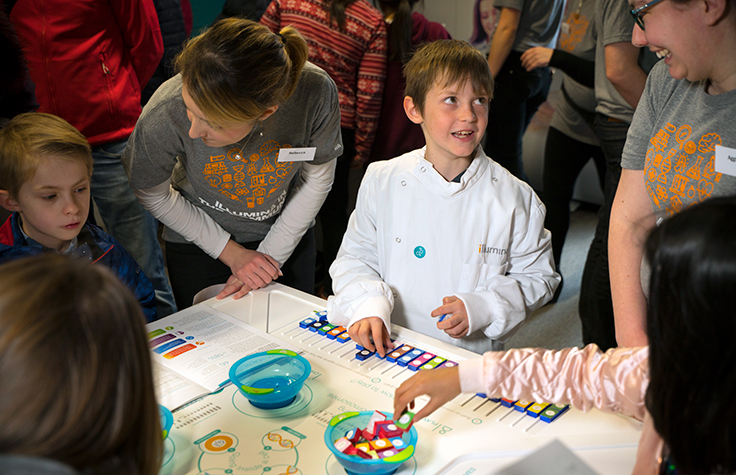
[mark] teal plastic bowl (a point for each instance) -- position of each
(270, 379)
(353, 464)
(167, 420)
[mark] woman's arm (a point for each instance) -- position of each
(632, 219)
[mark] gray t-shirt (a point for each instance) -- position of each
(539, 23)
(243, 195)
(673, 137)
(613, 24)
(577, 38)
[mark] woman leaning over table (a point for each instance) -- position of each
(671, 154)
(235, 155)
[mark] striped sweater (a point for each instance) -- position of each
(354, 57)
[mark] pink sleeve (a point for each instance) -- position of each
(615, 381)
(138, 23)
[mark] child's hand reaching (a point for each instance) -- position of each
(362, 331)
(441, 385)
(455, 323)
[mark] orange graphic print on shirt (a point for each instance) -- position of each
(578, 25)
(249, 180)
(679, 170)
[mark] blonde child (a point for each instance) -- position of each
(443, 241)
(45, 170)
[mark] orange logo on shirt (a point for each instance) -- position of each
(248, 180)
(691, 161)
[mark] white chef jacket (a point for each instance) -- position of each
(415, 238)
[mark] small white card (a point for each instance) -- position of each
(565, 28)
(304, 154)
(726, 160)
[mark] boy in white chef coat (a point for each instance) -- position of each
(443, 240)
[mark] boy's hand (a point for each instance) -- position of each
(441, 385)
(362, 331)
(455, 323)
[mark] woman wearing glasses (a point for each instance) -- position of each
(681, 145)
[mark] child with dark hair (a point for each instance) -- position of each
(685, 379)
(77, 386)
(443, 240)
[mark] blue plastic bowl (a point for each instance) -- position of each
(271, 379)
(355, 465)
(167, 420)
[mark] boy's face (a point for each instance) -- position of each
(54, 204)
(454, 120)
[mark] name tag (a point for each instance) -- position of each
(305, 154)
(565, 28)
(726, 160)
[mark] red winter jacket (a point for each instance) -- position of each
(90, 59)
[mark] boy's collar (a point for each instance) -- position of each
(33, 243)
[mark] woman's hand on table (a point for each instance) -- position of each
(251, 270)
(441, 385)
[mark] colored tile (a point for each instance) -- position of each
(325, 328)
(342, 337)
(535, 409)
(447, 364)
(507, 402)
(522, 404)
(398, 353)
(405, 421)
(409, 357)
(364, 354)
(553, 411)
(306, 322)
(332, 334)
(316, 326)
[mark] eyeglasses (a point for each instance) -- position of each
(636, 13)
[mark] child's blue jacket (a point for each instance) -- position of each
(105, 250)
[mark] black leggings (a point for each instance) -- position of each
(564, 158)
(191, 269)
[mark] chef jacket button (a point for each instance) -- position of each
(398, 239)
(423, 169)
(403, 182)
(396, 295)
(495, 179)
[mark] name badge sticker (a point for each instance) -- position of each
(565, 28)
(726, 160)
(304, 154)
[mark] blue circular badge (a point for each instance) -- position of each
(419, 252)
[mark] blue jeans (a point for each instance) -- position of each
(128, 222)
(596, 305)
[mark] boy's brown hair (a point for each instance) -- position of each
(32, 137)
(446, 62)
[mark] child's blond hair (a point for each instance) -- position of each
(32, 137)
(446, 62)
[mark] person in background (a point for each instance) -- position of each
(485, 18)
(77, 394)
(571, 140)
(521, 25)
(45, 170)
(235, 155)
(173, 32)
(249, 9)
(90, 59)
(406, 31)
(681, 385)
(447, 203)
(358, 67)
(620, 74)
(680, 147)
(16, 88)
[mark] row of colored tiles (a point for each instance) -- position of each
(415, 359)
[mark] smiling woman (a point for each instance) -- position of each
(681, 134)
(206, 159)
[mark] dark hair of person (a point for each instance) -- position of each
(337, 12)
(691, 326)
(77, 383)
(400, 28)
(237, 69)
(479, 34)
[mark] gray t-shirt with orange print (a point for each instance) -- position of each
(672, 138)
(244, 190)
